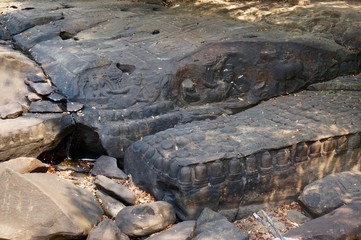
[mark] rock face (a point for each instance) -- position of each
(42, 206)
(145, 219)
(325, 195)
(267, 153)
(146, 68)
(32, 135)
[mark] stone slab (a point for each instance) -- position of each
(31, 135)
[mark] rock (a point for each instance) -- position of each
(45, 107)
(43, 206)
(41, 88)
(31, 135)
(145, 219)
(111, 206)
(107, 166)
(342, 223)
(212, 225)
(210, 164)
(348, 83)
(34, 78)
(107, 230)
(331, 192)
(74, 106)
(33, 97)
(180, 231)
(128, 96)
(14, 67)
(115, 190)
(297, 217)
(56, 97)
(24, 165)
(10, 111)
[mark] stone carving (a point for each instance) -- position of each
(250, 157)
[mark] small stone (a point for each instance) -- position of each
(24, 165)
(41, 88)
(107, 166)
(214, 226)
(74, 106)
(31, 77)
(11, 111)
(56, 97)
(33, 97)
(45, 107)
(107, 230)
(111, 206)
(180, 231)
(145, 219)
(297, 217)
(115, 190)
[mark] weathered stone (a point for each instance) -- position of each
(180, 231)
(24, 165)
(267, 153)
(212, 225)
(56, 97)
(115, 190)
(31, 135)
(107, 230)
(111, 206)
(74, 106)
(14, 67)
(348, 83)
(43, 206)
(325, 195)
(124, 71)
(45, 107)
(41, 88)
(33, 97)
(10, 111)
(342, 223)
(145, 219)
(34, 78)
(107, 166)
(297, 217)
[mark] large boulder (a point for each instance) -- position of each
(331, 192)
(31, 135)
(342, 223)
(43, 206)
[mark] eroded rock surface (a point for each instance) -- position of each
(42, 206)
(266, 153)
(32, 135)
(334, 191)
(141, 68)
(145, 219)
